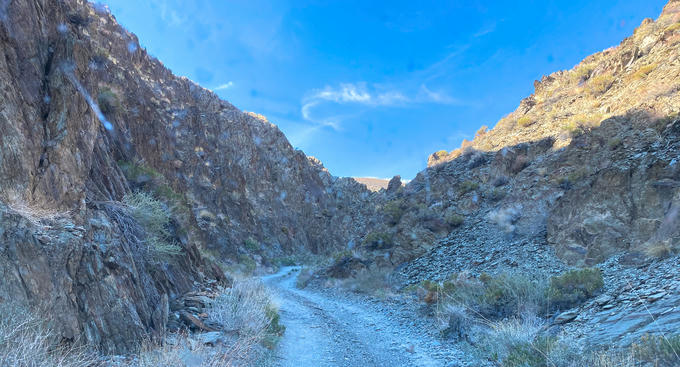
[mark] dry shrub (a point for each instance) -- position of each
(660, 350)
(453, 321)
(506, 217)
(303, 279)
(660, 249)
(374, 281)
(26, 340)
(582, 73)
(525, 121)
(643, 71)
(183, 350)
(246, 308)
(519, 163)
(154, 217)
(599, 84)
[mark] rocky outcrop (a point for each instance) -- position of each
(88, 116)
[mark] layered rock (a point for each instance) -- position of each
(86, 117)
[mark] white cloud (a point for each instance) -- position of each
(225, 86)
(363, 94)
(426, 95)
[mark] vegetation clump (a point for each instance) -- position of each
(599, 84)
(247, 307)
(378, 241)
(643, 71)
(393, 211)
(496, 194)
(455, 220)
(467, 186)
(154, 218)
(525, 121)
(251, 245)
(26, 340)
(108, 101)
(573, 287)
(660, 249)
(582, 123)
(660, 350)
(582, 72)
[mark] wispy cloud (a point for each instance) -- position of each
(226, 85)
(485, 30)
(365, 95)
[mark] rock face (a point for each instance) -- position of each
(595, 148)
(86, 117)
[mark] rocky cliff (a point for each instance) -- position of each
(584, 173)
(87, 116)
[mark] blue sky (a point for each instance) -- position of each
(373, 87)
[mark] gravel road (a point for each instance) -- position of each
(324, 329)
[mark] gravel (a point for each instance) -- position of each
(326, 327)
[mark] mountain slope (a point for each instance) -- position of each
(88, 117)
(584, 173)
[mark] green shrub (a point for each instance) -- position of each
(497, 194)
(154, 217)
(251, 245)
(467, 186)
(573, 287)
(455, 220)
(511, 294)
(394, 210)
(284, 261)
(108, 101)
(137, 172)
(615, 143)
(491, 296)
(531, 354)
(600, 84)
(249, 265)
(525, 121)
(378, 241)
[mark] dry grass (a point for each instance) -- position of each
(249, 318)
(373, 281)
(34, 213)
(26, 340)
(599, 84)
(581, 123)
(186, 350)
(244, 308)
(672, 28)
(659, 250)
(643, 71)
(582, 73)
(525, 121)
